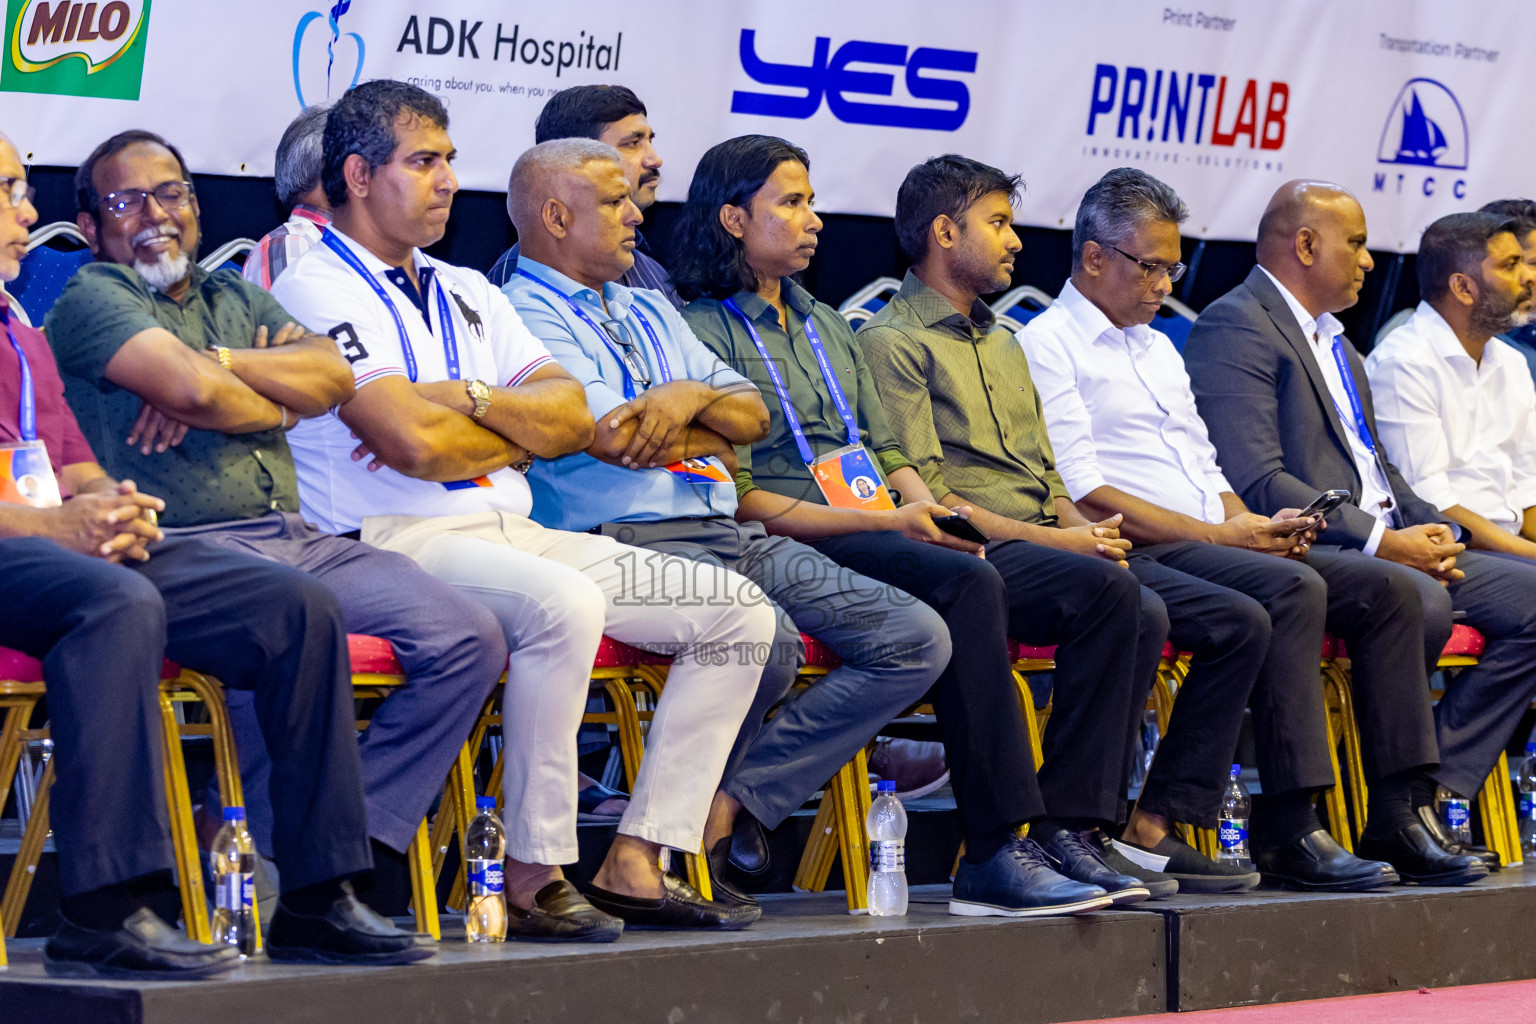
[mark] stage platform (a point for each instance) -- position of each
(809, 961)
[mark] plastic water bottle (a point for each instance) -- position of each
(485, 844)
(234, 867)
(1232, 826)
(1456, 812)
(1528, 804)
(887, 830)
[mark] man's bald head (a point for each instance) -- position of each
(571, 204)
(1312, 238)
(15, 221)
(545, 171)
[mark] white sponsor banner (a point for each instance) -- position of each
(1416, 105)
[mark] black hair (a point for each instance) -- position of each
(86, 197)
(584, 111)
(1521, 211)
(363, 122)
(1119, 203)
(709, 260)
(1456, 244)
(950, 185)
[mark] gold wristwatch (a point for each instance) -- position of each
(481, 393)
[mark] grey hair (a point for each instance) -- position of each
(1119, 203)
(539, 166)
(300, 155)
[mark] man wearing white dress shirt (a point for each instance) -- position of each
(1129, 441)
(1456, 405)
(1291, 412)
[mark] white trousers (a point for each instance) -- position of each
(556, 594)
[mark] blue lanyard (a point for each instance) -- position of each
(790, 418)
(663, 368)
(1354, 396)
(450, 339)
(28, 413)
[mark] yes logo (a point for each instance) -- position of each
(348, 46)
(829, 74)
(74, 48)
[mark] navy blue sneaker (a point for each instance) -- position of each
(1073, 856)
(1018, 881)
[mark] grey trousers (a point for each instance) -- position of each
(892, 648)
(449, 644)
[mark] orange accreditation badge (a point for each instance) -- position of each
(26, 476)
(848, 479)
(700, 471)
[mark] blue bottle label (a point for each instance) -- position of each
(1457, 815)
(1528, 807)
(887, 855)
(234, 892)
(1233, 833)
(486, 877)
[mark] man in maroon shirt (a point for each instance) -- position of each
(80, 590)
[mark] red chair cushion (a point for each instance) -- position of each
(373, 654)
(16, 667)
(818, 654)
(1464, 642)
(1019, 652)
(612, 653)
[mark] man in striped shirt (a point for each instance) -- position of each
(298, 187)
(615, 115)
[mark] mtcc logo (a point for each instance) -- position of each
(829, 75)
(344, 51)
(77, 49)
(1424, 128)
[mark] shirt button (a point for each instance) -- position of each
(272, 505)
(257, 453)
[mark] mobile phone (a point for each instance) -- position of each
(959, 525)
(1320, 506)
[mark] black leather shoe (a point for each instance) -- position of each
(1017, 881)
(1449, 844)
(349, 933)
(749, 846)
(144, 947)
(561, 914)
(680, 906)
(1071, 855)
(719, 884)
(1316, 863)
(1419, 859)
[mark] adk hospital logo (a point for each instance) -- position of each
(74, 48)
(342, 60)
(1424, 130)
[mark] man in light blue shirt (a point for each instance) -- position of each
(661, 475)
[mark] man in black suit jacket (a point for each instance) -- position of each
(1267, 362)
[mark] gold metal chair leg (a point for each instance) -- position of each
(820, 850)
(850, 806)
(189, 868)
(1031, 719)
(1354, 758)
(631, 739)
(454, 814)
(423, 891)
(24, 870)
(696, 866)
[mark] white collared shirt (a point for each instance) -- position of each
(324, 294)
(1462, 432)
(1120, 411)
(1375, 492)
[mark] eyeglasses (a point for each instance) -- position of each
(1151, 271)
(634, 359)
(172, 195)
(17, 191)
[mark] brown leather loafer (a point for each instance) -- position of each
(561, 914)
(680, 906)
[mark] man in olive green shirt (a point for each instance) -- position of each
(151, 348)
(958, 390)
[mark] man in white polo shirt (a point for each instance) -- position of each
(454, 399)
(1456, 406)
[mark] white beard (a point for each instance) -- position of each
(1519, 318)
(165, 273)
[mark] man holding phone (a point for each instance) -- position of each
(1129, 440)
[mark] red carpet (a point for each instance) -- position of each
(1473, 1004)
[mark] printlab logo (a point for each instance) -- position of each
(828, 75)
(71, 48)
(307, 70)
(1426, 127)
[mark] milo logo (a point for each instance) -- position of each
(74, 48)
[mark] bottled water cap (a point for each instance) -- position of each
(886, 786)
(485, 803)
(234, 814)
(1237, 770)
